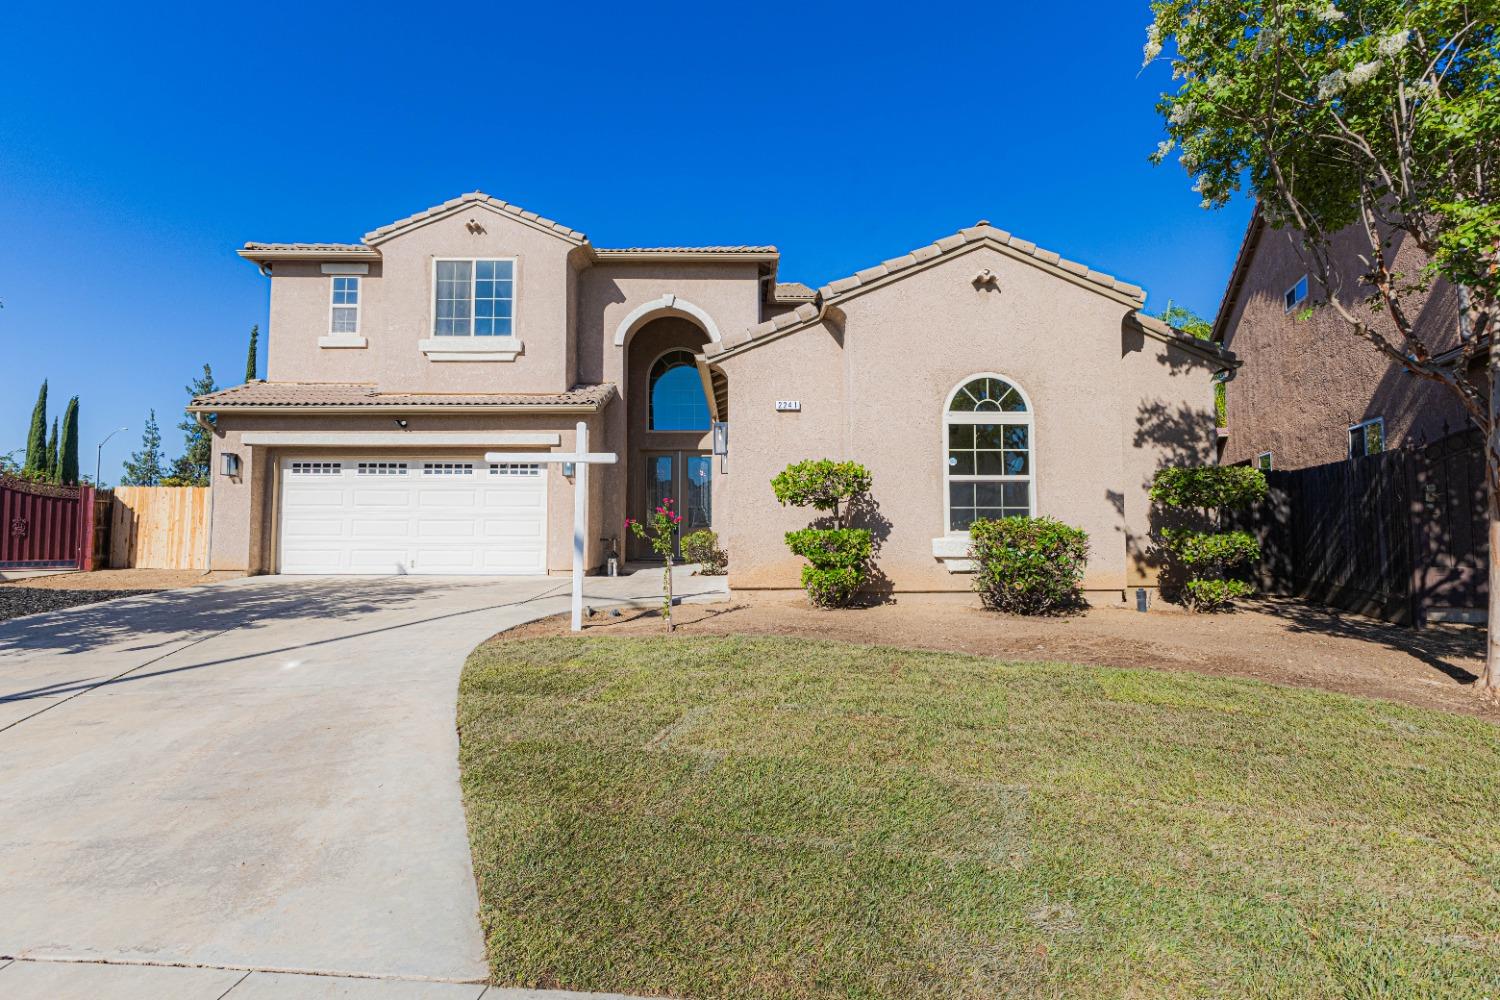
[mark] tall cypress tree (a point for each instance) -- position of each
(50, 463)
(36, 438)
(67, 471)
(252, 360)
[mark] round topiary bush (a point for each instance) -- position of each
(838, 556)
(1028, 565)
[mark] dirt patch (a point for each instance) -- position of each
(1275, 640)
(121, 579)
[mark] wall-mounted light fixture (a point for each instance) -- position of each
(229, 464)
(568, 468)
(721, 443)
(401, 423)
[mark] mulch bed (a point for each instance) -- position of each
(18, 601)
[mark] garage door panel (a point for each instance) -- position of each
(377, 515)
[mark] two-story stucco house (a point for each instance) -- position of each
(977, 376)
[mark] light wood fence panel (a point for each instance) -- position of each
(159, 527)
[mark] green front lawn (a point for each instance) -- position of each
(746, 818)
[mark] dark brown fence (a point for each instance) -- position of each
(44, 526)
(1401, 535)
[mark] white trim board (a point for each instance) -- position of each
(401, 439)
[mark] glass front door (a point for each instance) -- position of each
(687, 478)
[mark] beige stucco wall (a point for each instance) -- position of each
(1304, 382)
(874, 391)
(396, 313)
(244, 508)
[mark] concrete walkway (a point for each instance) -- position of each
(256, 777)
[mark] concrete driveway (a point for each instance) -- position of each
(254, 775)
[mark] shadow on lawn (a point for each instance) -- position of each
(1438, 645)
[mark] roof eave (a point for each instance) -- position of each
(718, 256)
(353, 408)
(267, 256)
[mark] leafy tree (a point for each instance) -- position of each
(251, 361)
(36, 438)
(67, 469)
(146, 467)
(193, 466)
(1379, 119)
(51, 462)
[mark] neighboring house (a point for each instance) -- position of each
(1308, 392)
(976, 377)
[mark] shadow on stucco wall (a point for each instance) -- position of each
(1176, 436)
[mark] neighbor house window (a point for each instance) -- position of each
(1293, 296)
(345, 315)
(1367, 438)
(474, 298)
(675, 394)
(1263, 461)
(987, 465)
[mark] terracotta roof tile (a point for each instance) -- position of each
(709, 249)
(319, 247)
(793, 290)
(475, 198)
(353, 394)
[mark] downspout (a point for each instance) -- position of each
(202, 420)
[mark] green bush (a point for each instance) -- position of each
(702, 547)
(1028, 565)
(839, 556)
(1212, 594)
(1208, 556)
(838, 563)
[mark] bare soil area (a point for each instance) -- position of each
(1270, 639)
(122, 579)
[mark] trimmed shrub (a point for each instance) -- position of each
(839, 556)
(702, 547)
(838, 563)
(1208, 557)
(1028, 565)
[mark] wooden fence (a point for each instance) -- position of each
(43, 526)
(1401, 535)
(159, 527)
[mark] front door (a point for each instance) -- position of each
(686, 477)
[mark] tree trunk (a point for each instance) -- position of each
(1489, 681)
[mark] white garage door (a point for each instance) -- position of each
(398, 515)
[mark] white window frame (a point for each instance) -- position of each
(1028, 418)
(474, 263)
(359, 295)
(1270, 461)
(1349, 439)
(472, 347)
(1291, 293)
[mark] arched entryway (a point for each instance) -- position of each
(669, 418)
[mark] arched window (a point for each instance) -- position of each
(677, 402)
(988, 462)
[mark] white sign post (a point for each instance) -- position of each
(581, 459)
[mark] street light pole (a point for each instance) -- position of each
(99, 453)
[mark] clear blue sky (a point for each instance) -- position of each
(140, 145)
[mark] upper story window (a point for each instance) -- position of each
(344, 314)
(1263, 461)
(1367, 438)
(987, 462)
(1294, 296)
(474, 298)
(675, 395)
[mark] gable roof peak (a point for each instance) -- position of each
(463, 201)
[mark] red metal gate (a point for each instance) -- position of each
(44, 526)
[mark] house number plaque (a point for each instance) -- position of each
(789, 406)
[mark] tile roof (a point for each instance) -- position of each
(318, 247)
(352, 394)
(475, 198)
(793, 290)
(981, 232)
(710, 249)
